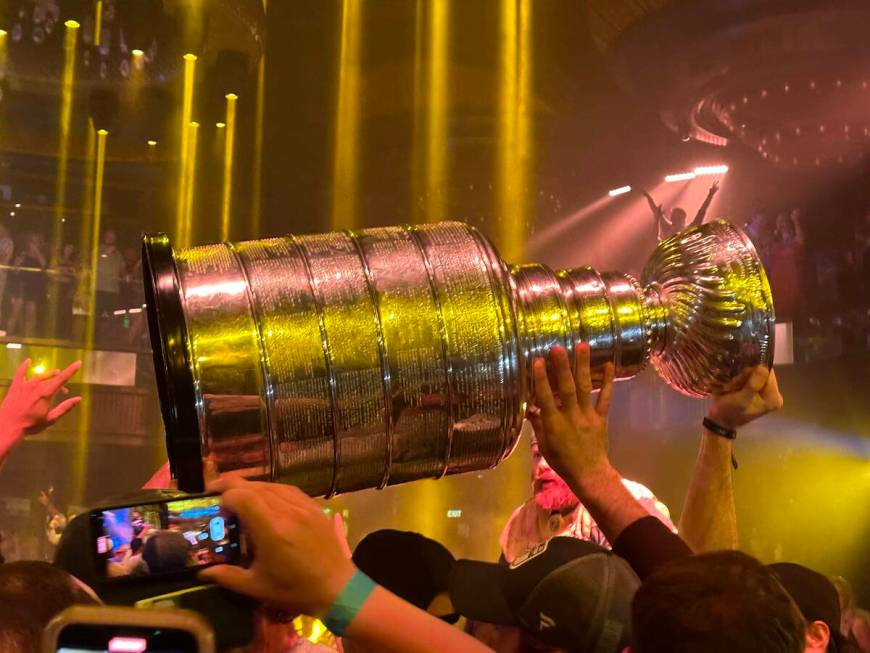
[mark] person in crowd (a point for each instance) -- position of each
(554, 510)
(28, 406)
(665, 227)
(67, 267)
(110, 270)
(819, 603)
(7, 251)
(134, 563)
(289, 530)
(854, 621)
(28, 285)
(721, 601)
(411, 566)
(785, 258)
(742, 605)
(759, 232)
(31, 594)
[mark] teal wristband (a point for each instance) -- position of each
(349, 603)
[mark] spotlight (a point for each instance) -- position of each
(151, 143)
(622, 190)
(680, 176)
(72, 24)
(220, 125)
(39, 368)
(136, 52)
(12, 214)
(711, 170)
(17, 205)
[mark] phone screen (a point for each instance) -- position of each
(166, 537)
(93, 638)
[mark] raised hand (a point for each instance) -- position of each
(572, 432)
(299, 564)
(28, 406)
(753, 394)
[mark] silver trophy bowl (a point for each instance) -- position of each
(344, 361)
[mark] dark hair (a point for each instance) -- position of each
(135, 545)
(165, 551)
(716, 602)
(32, 593)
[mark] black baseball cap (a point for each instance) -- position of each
(408, 564)
(568, 593)
(815, 596)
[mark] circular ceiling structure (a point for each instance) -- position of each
(789, 80)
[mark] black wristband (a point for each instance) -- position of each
(718, 429)
(721, 431)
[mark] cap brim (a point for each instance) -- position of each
(477, 592)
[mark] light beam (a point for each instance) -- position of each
(229, 146)
(345, 166)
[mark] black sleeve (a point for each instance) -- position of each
(647, 544)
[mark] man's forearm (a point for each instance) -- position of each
(607, 499)
(9, 437)
(410, 629)
(709, 518)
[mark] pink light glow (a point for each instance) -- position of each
(127, 645)
(622, 190)
(680, 176)
(711, 170)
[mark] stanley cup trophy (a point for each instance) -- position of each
(343, 361)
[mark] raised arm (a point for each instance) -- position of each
(573, 439)
(702, 212)
(28, 406)
(709, 518)
(658, 215)
(299, 566)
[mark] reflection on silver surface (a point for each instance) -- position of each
(338, 362)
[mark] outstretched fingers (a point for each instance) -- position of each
(543, 392)
(583, 374)
(564, 377)
(21, 372)
(62, 409)
(602, 406)
(59, 379)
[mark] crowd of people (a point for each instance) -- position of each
(824, 292)
(34, 282)
(593, 562)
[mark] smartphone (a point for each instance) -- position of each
(93, 629)
(164, 538)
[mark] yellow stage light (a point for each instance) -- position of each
(345, 164)
(229, 148)
(257, 168)
(137, 53)
(514, 138)
(98, 22)
(2, 33)
(436, 124)
(220, 125)
(80, 461)
(183, 224)
(66, 102)
(190, 181)
(39, 368)
(151, 143)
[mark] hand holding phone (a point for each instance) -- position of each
(170, 536)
